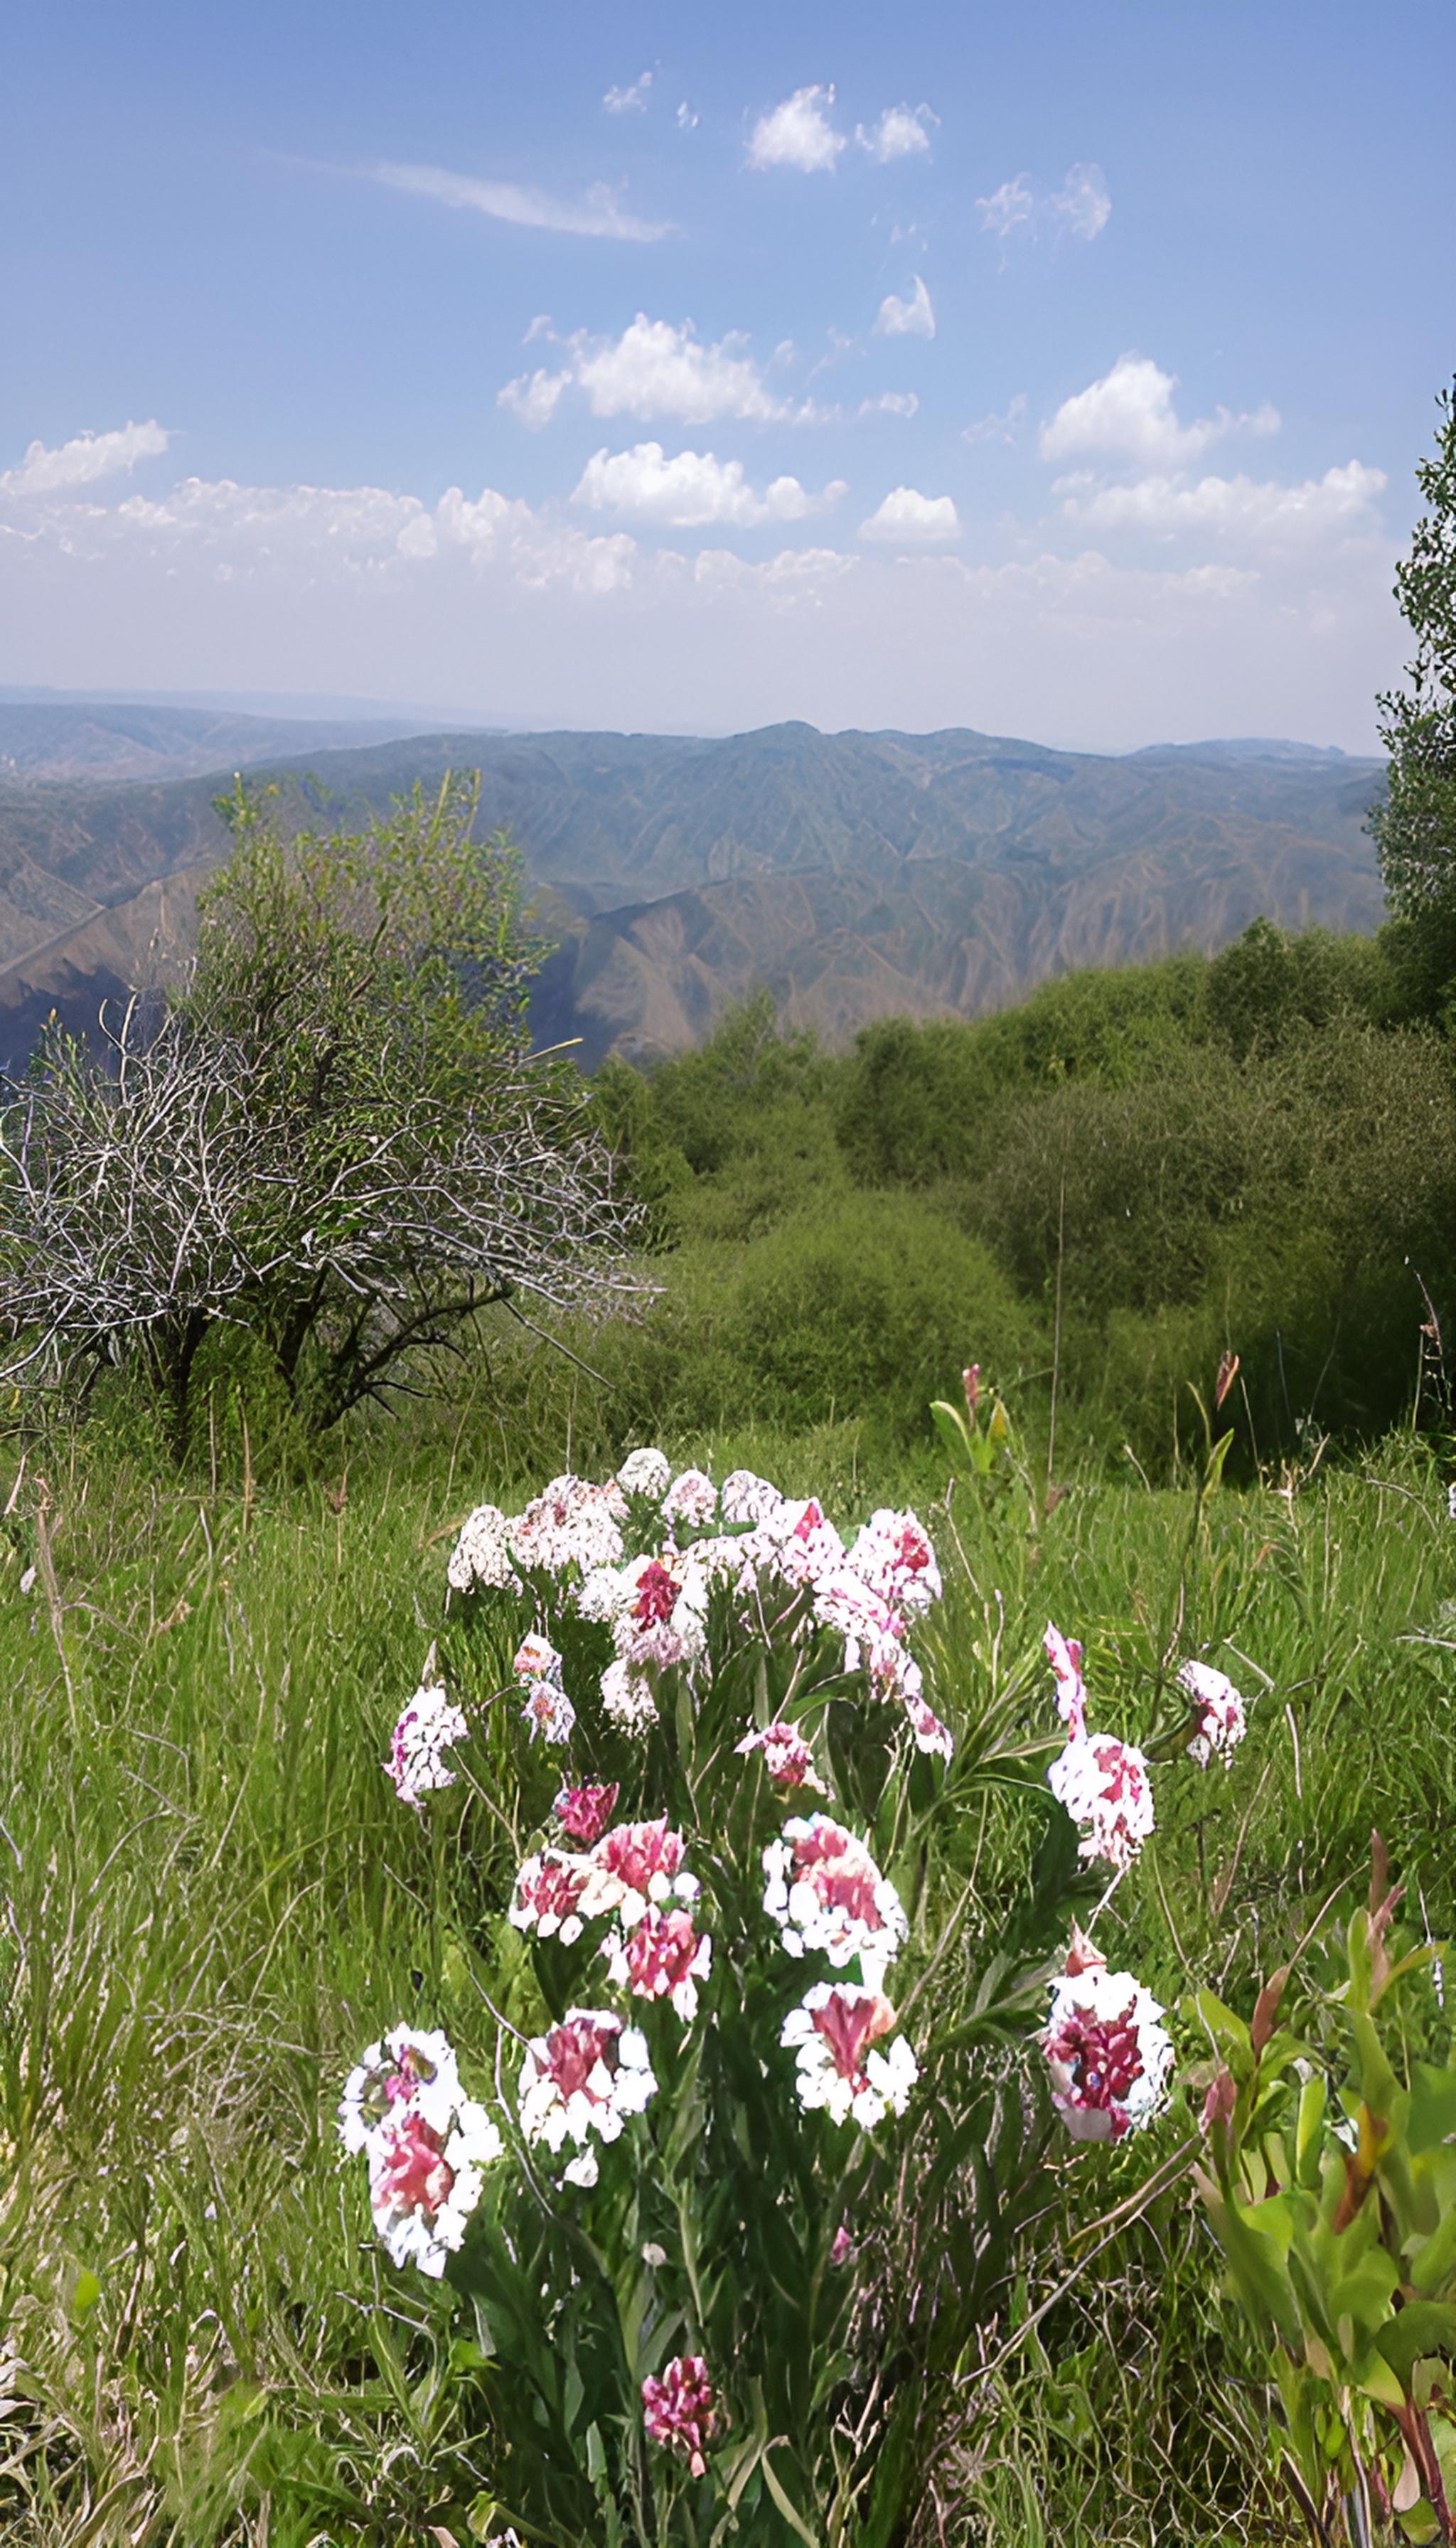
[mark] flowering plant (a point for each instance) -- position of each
(766, 2135)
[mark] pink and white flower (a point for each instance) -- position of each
(424, 2183)
(425, 2143)
(692, 1498)
(893, 1555)
(930, 1734)
(628, 1698)
(406, 2067)
(548, 1712)
(637, 1865)
(827, 1897)
(786, 1756)
(583, 2077)
(836, 2031)
(536, 1658)
(658, 1619)
(1108, 2054)
(429, 1727)
(747, 1499)
(548, 1894)
(1064, 1655)
(645, 1472)
(1220, 1711)
(481, 1558)
(663, 1958)
(584, 1813)
(679, 2410)
(570, 1523)
(1106, 1788)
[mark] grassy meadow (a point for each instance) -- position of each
(212, 1898)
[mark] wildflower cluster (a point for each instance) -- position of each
(704, 1710)
(1106, 2052)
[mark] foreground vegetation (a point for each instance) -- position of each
(213, 1893)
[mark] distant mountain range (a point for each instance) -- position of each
(857, 875)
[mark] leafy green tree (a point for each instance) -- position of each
(338, 1141)
(1414, 828)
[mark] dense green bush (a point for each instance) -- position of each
(861, 1306)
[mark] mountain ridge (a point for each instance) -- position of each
(855, 874)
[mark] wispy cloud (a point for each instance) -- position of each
(1079, 207)
(533, 397)
(688, 122)
(889, 403)
(997, 428)
(902, 133)
(82, 460)
(693, 489)
(597, 213)
(1247, 512)
(1129, 415)
(628, 101)
(797, 134)
(913, 317)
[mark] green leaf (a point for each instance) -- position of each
(1421, 2327)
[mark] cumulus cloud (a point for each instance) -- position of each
(1129, 415)
(902, 133)
(1256, 512)
(913, 317)
(1079, 207)
(520, 612)
(84, 459)
(691, 489)
(532, 397)
(907, 515)
(797, 134)
(628, 101)
(656, 370)
(599, 214)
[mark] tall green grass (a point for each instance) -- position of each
(212, 1899)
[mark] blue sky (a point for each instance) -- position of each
(1059, 371)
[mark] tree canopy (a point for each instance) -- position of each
(338, 1137)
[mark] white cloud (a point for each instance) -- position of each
(514, 611)
(688, 122)
(901, 132)
(913, 317)
(656, 369)
(889, 403)
(1129, 415)
(598, 215)
(797, 134)
(84, 459)
(691, 489)
(628, 101)
(1080, 205)
(997, 428)
(1254, 512)
(532, 397)
(907, 515)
